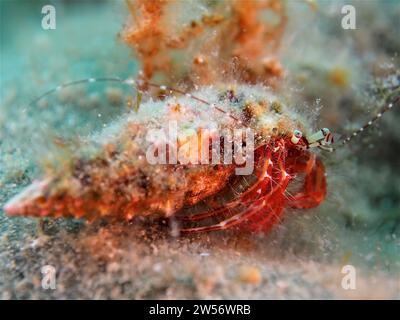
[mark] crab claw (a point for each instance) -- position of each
(26, 201)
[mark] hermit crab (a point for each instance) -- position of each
(256, 151)
(121, 177)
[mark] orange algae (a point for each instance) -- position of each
(233, 41)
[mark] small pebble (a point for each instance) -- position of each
(250, 275)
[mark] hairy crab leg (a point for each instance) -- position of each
(264, 178)
(314, 188)
(258, 206)
(267, 219)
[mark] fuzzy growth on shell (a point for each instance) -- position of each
(109, 176)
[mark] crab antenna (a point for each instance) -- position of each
(70, 84)
(372, 121)
(193, 97)
(136, 84)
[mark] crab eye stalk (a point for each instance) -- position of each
(325, 131)
(329, 139)
(318, 136)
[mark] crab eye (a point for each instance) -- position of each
(325, 131)
(297, 133)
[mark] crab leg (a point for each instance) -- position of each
(264, 180)
(269, 215)
(258, 207)
(314, 188)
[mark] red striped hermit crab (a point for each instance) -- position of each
(116, 180)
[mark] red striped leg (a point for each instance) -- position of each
(314, 188)
(262, 186)
(256, 207)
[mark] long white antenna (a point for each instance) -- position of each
(136, 84)
(379, 115)
(73, 83)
